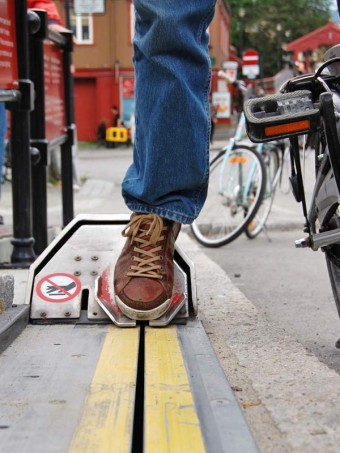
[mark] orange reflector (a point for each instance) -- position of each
(237, 160)
(283, 129)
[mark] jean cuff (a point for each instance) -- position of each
(161, 212)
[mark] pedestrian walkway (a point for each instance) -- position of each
(101, 171)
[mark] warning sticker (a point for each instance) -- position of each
(58, 288)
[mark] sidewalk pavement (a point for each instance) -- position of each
(101, 171)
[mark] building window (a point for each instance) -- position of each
(82, 27)
(132, 21)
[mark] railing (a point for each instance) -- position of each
(36, 85)
(51, 120)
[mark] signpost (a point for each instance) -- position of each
(251, 67)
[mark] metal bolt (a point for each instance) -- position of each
(95, 314)
(77, 273)
(43, 314)
(94, 273)
(77, 258)
(67, 314)
(94, 258)
(302, 243)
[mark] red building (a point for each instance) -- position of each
(308, 50)
(104, 74)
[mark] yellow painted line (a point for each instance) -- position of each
(106, 424)
(171, 422)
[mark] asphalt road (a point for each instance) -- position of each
(290, 286)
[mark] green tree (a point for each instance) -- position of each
(266, 25)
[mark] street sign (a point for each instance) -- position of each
(251, 67)
(221, 102)
(89, 6)
(55, 103)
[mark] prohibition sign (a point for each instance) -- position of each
(59, 287)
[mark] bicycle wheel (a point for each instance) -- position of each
(236, 187)
(271, 158)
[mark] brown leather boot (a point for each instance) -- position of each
(144, 273)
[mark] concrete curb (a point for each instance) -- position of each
(12, 323)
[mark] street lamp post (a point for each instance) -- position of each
(241, 14)
(279, 30)
(67, 14)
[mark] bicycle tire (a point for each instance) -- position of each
(238, 207)
(271, 158)
(332, 255)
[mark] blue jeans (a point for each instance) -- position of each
(170, 170)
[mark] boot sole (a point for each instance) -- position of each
(143, 315)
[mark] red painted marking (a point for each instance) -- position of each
(176, 299)
(104, 291)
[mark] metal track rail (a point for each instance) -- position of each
(89, 388)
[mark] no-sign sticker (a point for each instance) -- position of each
(59, 287)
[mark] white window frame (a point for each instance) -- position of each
(132, 21)
(78, 19)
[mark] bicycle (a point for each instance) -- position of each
(309, 104)
(242, 177)
(277, 159)
(272, 155)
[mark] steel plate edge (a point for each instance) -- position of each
(223, 424)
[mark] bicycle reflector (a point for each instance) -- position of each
(238, 160)
(280, 116)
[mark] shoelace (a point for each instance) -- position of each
(146, 231)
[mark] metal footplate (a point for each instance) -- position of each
(69, 280)
(178, 308)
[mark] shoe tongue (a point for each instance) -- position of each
(153, 236)
(148, 226)
(152, 228)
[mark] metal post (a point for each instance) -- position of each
(279, 43)
(22, 241)
(66, 148)
(67, 14)
(241, 14)
(38, 135)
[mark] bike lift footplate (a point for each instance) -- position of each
(72, 277)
